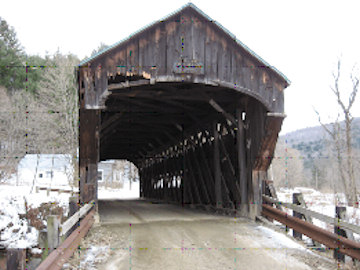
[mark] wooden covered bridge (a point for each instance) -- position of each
(190, 105)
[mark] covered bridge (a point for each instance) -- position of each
(190, 105)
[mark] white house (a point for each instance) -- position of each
(48, 169)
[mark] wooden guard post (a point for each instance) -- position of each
(16, 259)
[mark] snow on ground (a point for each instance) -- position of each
(94, 255)
(122, 193)
(323, 203)
(15, 231)
(279, 240)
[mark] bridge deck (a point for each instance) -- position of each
(164, 236)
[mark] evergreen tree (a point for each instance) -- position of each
(12, 65)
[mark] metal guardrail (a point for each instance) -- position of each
(331, 240)
(313, 214)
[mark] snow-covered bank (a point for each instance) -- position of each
(14, 228)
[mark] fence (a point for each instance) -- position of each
(338, 241)
(57, 234)
(59, 190)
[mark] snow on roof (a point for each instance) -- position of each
(45, 161)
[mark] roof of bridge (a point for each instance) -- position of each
(200, 12)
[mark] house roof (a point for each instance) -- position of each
(45, 162)
(199, 11)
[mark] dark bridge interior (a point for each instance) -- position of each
(140, 122)
(195, 110)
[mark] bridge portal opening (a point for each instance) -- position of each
(117, 180)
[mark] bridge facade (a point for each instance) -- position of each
(190, 105)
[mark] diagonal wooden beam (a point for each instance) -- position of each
(111, 120)
(218, 108)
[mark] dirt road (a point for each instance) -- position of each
(141, 235)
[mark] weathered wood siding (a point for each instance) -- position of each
(185, 47)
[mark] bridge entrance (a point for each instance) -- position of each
(192, 107)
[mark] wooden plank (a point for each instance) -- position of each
(218, 108)
(69, 223)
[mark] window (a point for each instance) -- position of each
(40, 175)
(100, 175)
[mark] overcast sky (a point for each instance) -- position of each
(303, 39)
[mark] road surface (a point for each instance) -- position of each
(138, 234)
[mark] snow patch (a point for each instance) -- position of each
(94, 255)
(15, 231)
(279, 240)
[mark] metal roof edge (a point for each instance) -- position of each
(246, 48)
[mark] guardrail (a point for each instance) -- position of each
(60, 254)
(329, 239)
(319, 216)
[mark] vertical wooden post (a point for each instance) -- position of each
(217, 169)
(297, 201)
(89, 136)
(166, 178)
(73, 205)
(256, 203)
(184, 180)
(43, 243)
(340, 213)
(16, 259)
(52, 232)
(240, 141)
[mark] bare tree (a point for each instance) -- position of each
(58, 101)
(18, 133)
(345, 162)
(287, 167)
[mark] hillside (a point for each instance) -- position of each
(307, 157)
(317, 133)
(311, 141)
